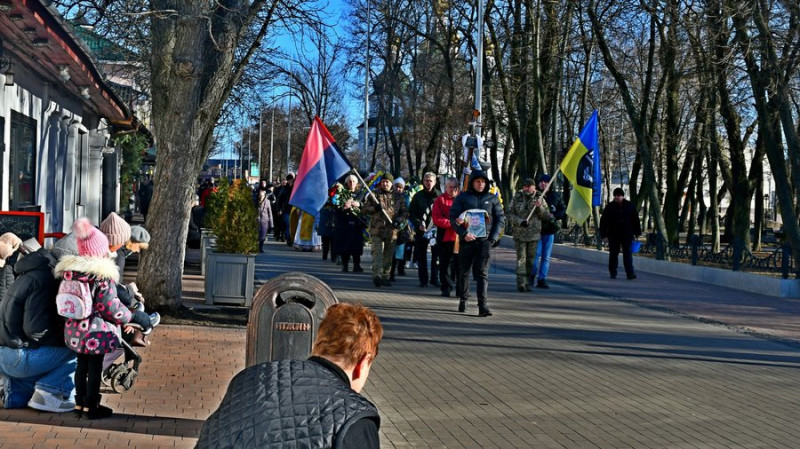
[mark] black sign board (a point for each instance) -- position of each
(25, 225)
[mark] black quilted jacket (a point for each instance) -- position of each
(287, 404)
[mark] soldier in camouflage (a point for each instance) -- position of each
(383, 230)
(526, 232)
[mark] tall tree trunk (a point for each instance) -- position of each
(193, 70)
(637, 117)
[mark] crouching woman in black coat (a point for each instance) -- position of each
(39, 369)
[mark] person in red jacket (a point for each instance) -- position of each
(445, 235)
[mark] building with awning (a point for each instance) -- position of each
(58, 111)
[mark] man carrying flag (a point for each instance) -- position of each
(581, 166)
(321, 165)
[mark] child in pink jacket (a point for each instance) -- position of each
(98, 334)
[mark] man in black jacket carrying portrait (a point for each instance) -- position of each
(474, 249)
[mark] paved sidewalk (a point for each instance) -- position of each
(579, 365)
(766, 316)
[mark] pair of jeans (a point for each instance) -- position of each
(47, 368)
(541, 262)
(474, 253)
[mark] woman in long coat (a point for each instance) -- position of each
(265, 222)
(349, 241)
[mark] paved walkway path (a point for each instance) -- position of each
(580, 365)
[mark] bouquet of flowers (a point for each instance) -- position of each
(339, 197)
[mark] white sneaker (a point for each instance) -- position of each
(155, 319)
(48, 402)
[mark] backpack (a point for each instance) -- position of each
(74, 299)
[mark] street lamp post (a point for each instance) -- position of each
(271, 140)
(479, 71)
(289, 137)
(366, 95)
(260, 115)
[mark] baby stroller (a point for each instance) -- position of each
(121, 375)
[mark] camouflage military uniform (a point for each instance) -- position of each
(526, 238)
(382, 234)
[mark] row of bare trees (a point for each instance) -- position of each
(698, 101)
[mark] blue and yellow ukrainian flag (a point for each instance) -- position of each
(581, 166)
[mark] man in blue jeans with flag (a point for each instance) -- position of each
(544, 249)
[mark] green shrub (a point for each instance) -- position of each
(215, 205)
(235, 223)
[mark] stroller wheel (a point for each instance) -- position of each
(108, 374)
(123, 380)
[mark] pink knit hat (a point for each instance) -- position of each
(116, 229)
(91, 242)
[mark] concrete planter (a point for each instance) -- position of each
(229, 278)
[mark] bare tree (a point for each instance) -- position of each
(196, 53)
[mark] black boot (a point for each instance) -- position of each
(357, 265)
(401, 267)
(95, 410)
(393, 269)
(345, 263)
(376, 281)
(483, 310)
(462, 305)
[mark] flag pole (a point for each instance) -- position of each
(369, 193)
(544, 192)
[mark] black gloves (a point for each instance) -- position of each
(494, 243)
(524, 223)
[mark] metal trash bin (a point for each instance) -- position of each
(285, 316)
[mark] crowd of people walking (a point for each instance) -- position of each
(446, 236)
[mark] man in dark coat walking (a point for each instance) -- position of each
(619, 225)
(474, 249)
(419, 211)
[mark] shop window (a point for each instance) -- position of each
(22, 166)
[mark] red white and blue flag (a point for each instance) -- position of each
(321, 165)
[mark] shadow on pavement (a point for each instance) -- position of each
(119, 422)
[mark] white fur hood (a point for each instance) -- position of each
(100, 267)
